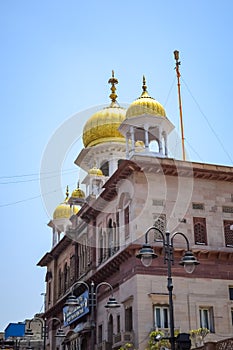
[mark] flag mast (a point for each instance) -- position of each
(176, 55)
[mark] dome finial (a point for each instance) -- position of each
(113, 81)
(144, 88)
(67, 192)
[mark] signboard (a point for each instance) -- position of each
(15, 330)
(73, 313)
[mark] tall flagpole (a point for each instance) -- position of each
(176, 55)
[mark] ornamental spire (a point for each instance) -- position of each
(144, 88)
(67, 192)
(113, 81)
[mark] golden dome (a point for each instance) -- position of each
(78, 193)
(95, 171)
(103, 125)
(145, 104)
(65, 210)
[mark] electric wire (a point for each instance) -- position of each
(169, 92)
(207, 121)
(32, 198)
(36, 179)
(36, 174)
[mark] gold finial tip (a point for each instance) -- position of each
(67, 192)
(176, 55)
(113, 81)
(144, 87)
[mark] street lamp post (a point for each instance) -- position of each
(146, 254)
(44, 326)
(92, 302)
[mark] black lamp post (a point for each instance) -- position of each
(44, 324)
(146, 254)
(92, 302)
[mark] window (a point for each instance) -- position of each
(129, 319)
(200, 234)
(110, 238)
(105, 168)
(59, 282)
(126, 212)
(49, 292)
(232, 317)
(161, 316)
(207, 318)
(72, 268)
(101, 245)
(66, 276)
(228, 232)
(199, 206)
(231, 293)
(160, 223)
(226, 209)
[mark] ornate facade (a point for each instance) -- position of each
(132, 184)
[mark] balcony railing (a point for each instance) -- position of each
(104, 345)
(121, 338)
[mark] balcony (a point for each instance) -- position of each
(104, 345)
(121, 338)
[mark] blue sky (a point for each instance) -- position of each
(56, 58)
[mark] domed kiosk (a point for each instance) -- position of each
(61, 218)
(102, 140)
(145, 123)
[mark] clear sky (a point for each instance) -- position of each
(56, 58)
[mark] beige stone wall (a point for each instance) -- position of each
(142, 291)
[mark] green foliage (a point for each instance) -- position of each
(197, 335)
(127, 346)
(153, 344)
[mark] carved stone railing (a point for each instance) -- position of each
(121, 338)
(104, 346)
(226, 344)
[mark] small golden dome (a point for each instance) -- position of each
(78, 193)
(145, 104)
(95, 171)
(103, 125)
(65, 210)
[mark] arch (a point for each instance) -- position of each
(105, 167)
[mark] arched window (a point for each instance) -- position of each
(110, 238)
(66, 277)
(101, 245)
(105, 168)
(59, 282)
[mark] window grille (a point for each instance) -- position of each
(199, 206)
(228, 232)
(200, 233)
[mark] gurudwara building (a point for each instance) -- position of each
(95, 284)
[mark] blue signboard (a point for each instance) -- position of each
(73, 313)
(15, 330)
